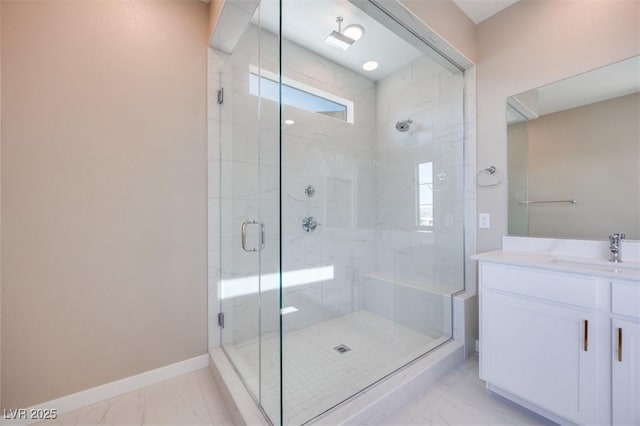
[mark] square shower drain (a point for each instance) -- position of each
(343, 349)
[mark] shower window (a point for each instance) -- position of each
(299, 95)
(425, 196)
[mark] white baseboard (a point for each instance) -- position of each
(109, 390)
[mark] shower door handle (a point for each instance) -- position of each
(244, 236)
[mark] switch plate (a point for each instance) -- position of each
(484, 221)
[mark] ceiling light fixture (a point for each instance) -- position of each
(289, 122)
(370, 66)
(337, 39)
(354, 31)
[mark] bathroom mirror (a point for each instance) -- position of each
(574, 156)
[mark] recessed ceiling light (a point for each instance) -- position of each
(289, 122)
(354, 32)
(370, 66)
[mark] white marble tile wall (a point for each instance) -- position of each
(433, 99)
(334, 156)
(365, 180)
(337, 159)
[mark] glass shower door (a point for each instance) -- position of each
(249, 213)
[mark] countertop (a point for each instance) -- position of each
(561, 263)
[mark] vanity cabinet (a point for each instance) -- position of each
(537, 351)
(543, 343)
(625, 370)
(560, 329)
(625, 363)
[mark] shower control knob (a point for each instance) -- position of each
(309, 224)
(309, 191)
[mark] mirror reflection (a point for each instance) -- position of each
(574, 156)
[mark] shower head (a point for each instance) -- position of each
(403, 126)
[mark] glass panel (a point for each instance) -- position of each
(269, 207)
(365, 289)
(240, 284)
(250, 203)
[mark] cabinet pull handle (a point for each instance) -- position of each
(586, 335)
(619, 344)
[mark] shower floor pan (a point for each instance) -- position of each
(319, 374)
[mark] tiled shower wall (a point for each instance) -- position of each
(365, 250)
(333, 156)
(432, 98)
(418, 270)
(337, 159)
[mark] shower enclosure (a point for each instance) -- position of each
(337, 202)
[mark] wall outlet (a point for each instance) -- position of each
(484, 221)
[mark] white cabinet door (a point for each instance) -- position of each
(625, 371)
(543, 353)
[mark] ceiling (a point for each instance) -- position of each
(479, 10)
(308, 23)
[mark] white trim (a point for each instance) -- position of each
(522, 108)
(94, 395)
(415, 32)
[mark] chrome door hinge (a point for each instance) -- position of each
(221, 319)
(221, 95)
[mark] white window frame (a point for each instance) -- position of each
(261, 72)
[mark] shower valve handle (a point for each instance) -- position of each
(309, 224)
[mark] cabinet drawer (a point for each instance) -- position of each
(558, 287)
(625, 298)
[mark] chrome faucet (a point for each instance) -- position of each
(615, 247)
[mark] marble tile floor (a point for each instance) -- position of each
(458, 399)
(189, 399)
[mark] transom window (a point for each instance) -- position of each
(299, 95)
